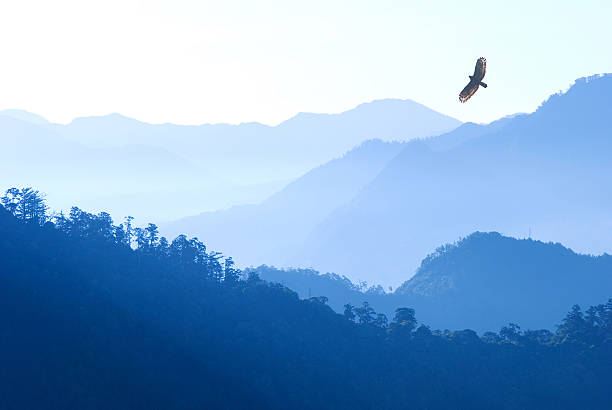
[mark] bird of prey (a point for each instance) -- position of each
(475, 80)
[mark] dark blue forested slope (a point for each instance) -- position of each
(88, 322)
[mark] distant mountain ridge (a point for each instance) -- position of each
(288, 150)
(271, 232)
(35, 155)
(162, 172)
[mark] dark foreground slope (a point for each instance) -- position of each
(88, 323)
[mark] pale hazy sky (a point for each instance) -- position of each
(192, 62)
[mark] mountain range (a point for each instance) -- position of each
(546, 173)
(256, 153)
(274, 230)
(162, 172)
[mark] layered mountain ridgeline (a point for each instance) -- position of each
(253, 152)
(35, 154)
(121, 165)
(273, 231)
(89, 322)
(547, 171)
(481, 282)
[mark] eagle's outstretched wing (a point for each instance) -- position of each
(481, 69)
(468, 91)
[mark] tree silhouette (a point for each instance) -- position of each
(573, 329)
(405, 319)
(230, 273)
(349, 312)
(365, 314)
(26, 204)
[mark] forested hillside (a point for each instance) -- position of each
(475, 283)
(92, 322)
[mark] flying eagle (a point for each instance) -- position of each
(475, 80)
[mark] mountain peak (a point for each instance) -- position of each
(390, 102)
(374, 105)
(471, 263)
(387, 119)
(108, 118)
